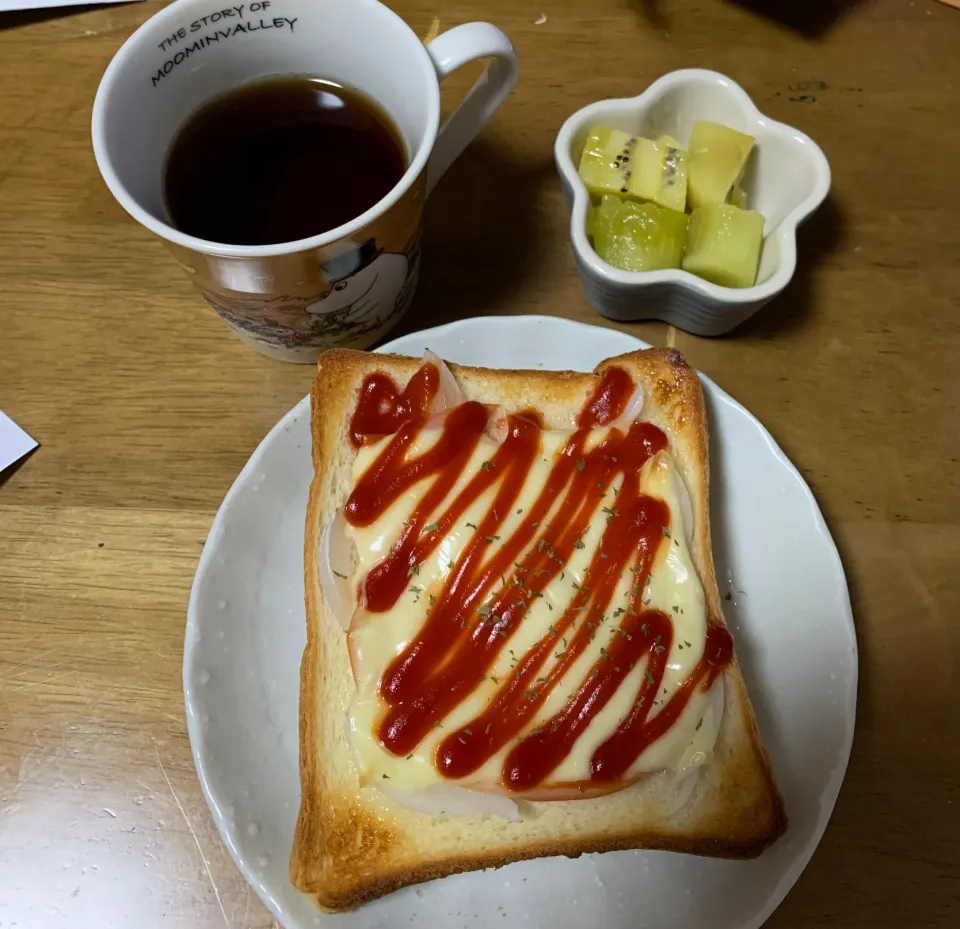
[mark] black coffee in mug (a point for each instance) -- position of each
(280, 159)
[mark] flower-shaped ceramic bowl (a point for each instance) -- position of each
(786, 179)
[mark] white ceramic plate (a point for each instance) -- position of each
(789, 611)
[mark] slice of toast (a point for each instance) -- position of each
(352, 844)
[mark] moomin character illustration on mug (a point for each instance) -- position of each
(368, 288)
(366, 285)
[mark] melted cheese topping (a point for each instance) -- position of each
(674, 588)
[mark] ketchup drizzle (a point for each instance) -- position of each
(381, 410)
(471, 623)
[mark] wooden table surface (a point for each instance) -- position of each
(146, 409)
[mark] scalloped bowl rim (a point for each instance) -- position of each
(785, 233)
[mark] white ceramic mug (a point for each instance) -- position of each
(349, 285)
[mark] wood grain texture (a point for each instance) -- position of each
(146, 409)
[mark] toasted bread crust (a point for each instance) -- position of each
(351, 846)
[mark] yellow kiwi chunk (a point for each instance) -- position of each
(717, 158)
(637, 236)
(606, 162)
(659, 173)
(723, 245)
(738, 197)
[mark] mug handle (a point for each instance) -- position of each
(448, 52)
